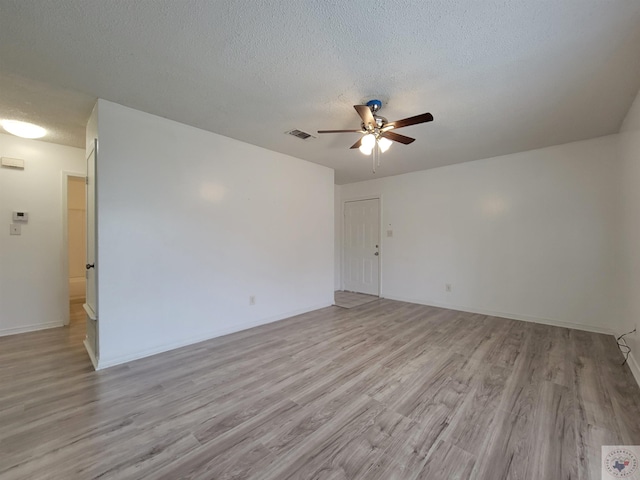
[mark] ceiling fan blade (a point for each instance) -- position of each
(365, 114)
(396, 137)
(339, 131)
(357, 144)
(405, 122)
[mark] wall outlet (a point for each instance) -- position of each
(389, 233)
(252, 300)
(447, 287)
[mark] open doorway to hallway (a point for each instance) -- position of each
(76, 254)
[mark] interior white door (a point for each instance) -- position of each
(91, 233)
(91, 305)
(362, 246)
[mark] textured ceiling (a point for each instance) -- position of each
(498, 76)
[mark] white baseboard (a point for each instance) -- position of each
(512, 316)
(29, 328)
(91, 353)
(635, 368)
(110, 362)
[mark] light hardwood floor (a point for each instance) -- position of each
(387, 390)
(351, 299)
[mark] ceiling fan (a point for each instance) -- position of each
(378, 131)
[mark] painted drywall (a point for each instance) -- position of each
(76, 236)
(630, 248)
(530, 236)
(33, 278)
(191, 224)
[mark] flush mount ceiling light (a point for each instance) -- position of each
(23, 129)
(378, 136)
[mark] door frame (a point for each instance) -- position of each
(65, 239)
(377, 196)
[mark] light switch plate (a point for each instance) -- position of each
(15, 229)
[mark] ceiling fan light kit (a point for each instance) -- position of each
(377, 135)
(365, 150)
(368, 142)
(384, 143)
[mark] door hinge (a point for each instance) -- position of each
(86, 180)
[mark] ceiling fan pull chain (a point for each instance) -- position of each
(373, 160)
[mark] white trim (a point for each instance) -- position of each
(635, 368)
(89, 311)
(92, 355)
(373, 196)
(110, 362)
(29, 328)
(512, 316)
(65, 240)
(378, 197)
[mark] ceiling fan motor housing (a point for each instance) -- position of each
(380, 122)
(374, 105)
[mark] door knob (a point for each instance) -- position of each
(90, 265)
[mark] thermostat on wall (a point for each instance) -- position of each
(20, 217)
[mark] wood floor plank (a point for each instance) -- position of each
(506, 451)
(228, 450)
(385, 468)
(446, 461)
(358, 455)
(471, 422)
(310, 457)
(553, 436)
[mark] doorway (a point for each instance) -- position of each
(76, 250)
(361, 246)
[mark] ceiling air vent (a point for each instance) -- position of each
(300, 134)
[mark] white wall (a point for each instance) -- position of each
(33, 281)
(530, 236)
(190, 224)
(630, 251)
